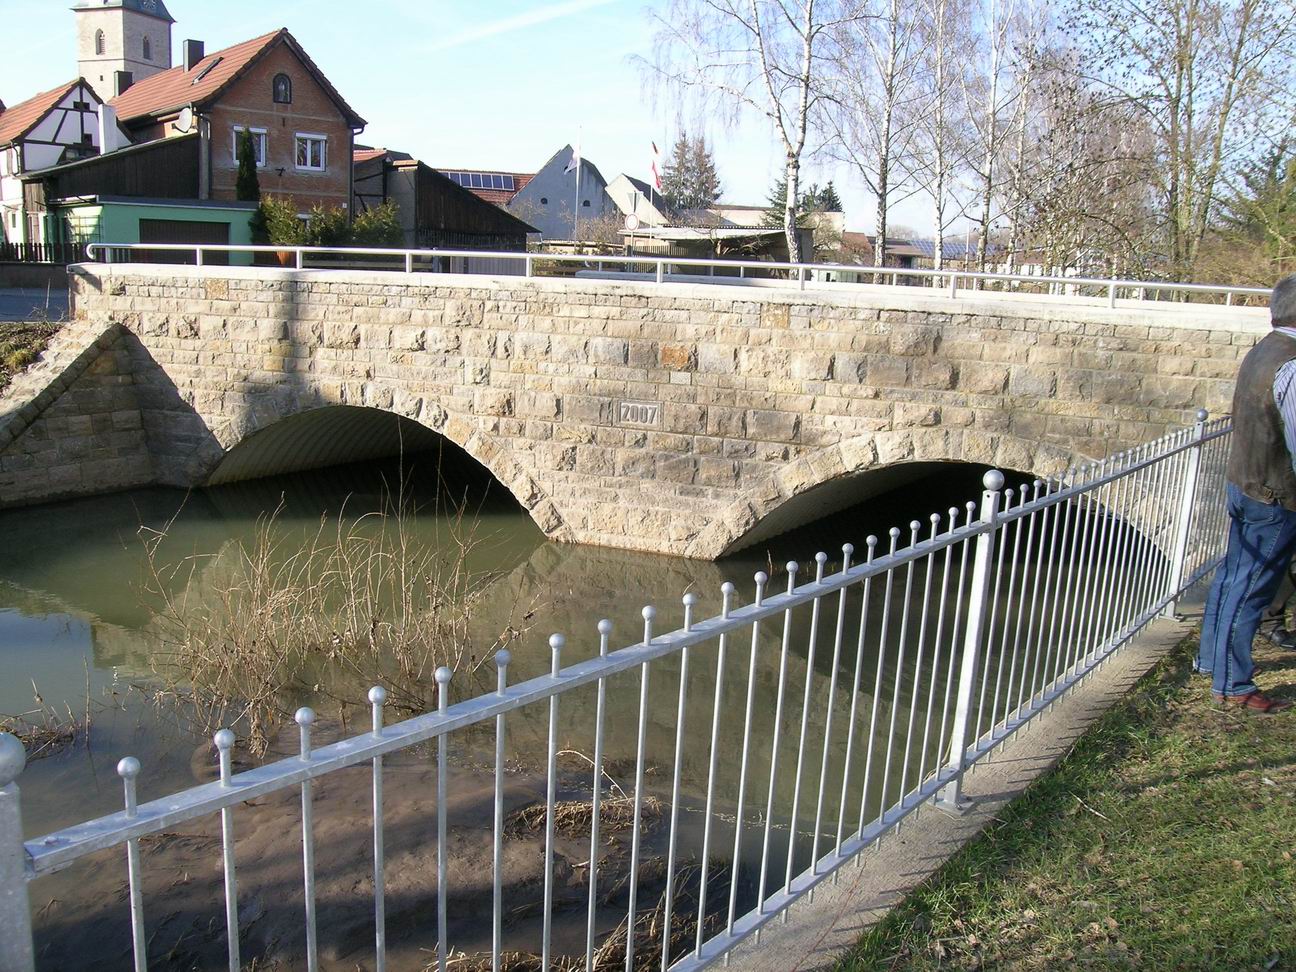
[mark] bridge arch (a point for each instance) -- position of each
(839, 476)
(332, 434)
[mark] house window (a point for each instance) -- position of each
(99, 42)
(311, 152)
(258, 144)
(282, 89)
(148, 49)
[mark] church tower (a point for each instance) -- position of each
(131, 36)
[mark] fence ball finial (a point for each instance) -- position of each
(605, 627)
(993, 480)
(305, 716)
(128, 767)
(1202, 415)
(224, 739)
(791, 566)
(377, 695)
(13, 757)
(503, 657)
(690, 599)
(442, 675)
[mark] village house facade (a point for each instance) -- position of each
(303, 130)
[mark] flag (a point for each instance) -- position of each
(575, 161)
(656, 169)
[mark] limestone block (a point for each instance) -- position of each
(613, 351)
(773, 426)
(1032, 382)
(914, 340)
(885, 371)
(493, 401)
(679, 357)
(812, 365)
(587, 410)
(687, 419)
(464, 313)
(716, 359)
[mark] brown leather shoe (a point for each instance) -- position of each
(1255, 702)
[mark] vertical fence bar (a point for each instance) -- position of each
(821, 558)
(894, 534)
(727, 592)
(914, 527)
(224, 740)
(761, 579)
(648, 613)
(871, 543)
(690, 602)
(936, 650)
(502, 659)
(777, 738)
(556, 643)
(918, 662)
(305, 718)
(16, 951)
(605, 631)
(442, 675)
(965, 546)
(377, 696)
(1187, 503)
(950, 798)
(128, 769)
(847, 551)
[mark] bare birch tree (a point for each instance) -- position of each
(752, 56)
(1207, 74)
(871, 107)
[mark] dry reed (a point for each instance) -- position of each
(356, 602)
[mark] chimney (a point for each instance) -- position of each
(193, 53)
(121, 81)
(110, 139)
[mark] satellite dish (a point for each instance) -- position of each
(184, 122)
(631, 222)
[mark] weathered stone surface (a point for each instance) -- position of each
(762, 393)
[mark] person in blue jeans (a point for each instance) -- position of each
(1262, 510)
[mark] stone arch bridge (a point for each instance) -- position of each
(688, 419)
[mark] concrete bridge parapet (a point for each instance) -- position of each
(683, 419)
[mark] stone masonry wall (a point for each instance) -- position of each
(71, 425)
(763, 393)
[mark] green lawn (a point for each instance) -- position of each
(20, 343)
(1164, 840)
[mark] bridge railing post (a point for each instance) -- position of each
(953, 290)
(1187, 504)
(16, 951)
(950, 796)
(661, 270)
(301, 257)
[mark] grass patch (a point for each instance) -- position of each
(21, 342)
(1164, 839)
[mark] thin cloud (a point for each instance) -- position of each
(507, 25)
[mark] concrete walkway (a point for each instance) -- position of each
(819, 933)
(26, 303)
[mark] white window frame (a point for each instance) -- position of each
(298, 138)
(260, 137)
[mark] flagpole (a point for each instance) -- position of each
(577, 207)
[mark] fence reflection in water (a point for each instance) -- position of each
(951, 635)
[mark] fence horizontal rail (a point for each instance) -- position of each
(947, 280)
(945, 640)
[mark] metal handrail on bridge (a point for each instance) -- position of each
(945, 281)
(1005, 611)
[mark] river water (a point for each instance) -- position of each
(77, 629)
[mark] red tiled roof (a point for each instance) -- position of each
(17, 121)
(171, 90)
(498, 197)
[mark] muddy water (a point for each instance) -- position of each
(75, 620)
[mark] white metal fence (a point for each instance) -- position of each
(951, 635)
(680, 270)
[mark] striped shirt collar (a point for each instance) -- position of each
(1287, 332)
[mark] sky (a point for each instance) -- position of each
(465, 83)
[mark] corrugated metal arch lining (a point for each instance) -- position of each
(323, 437)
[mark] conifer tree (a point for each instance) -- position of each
(247, 187)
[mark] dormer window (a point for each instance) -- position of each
(148, 49)
(99, 42)
(282, 89)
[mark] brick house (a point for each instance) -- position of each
(303, 129)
